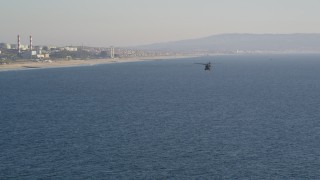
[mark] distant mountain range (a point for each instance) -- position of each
(244, 43)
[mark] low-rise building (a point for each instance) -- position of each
(43, 56)
(14, 46)
(38, 49)
(5, 45)
(24, 47)
(68, 49)
(29, 54)
(40, 56)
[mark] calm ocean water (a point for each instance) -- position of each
(252, 117)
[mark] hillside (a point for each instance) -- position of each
(243, 42)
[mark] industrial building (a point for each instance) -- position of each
(29, 54)
(69, 48)
(5, 46)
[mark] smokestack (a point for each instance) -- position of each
(19, 45)
(30, 43)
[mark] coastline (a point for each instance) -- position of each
(28, 64)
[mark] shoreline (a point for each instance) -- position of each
(27, 64)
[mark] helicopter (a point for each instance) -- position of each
(207, 66)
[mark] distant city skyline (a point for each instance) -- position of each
(105, 23)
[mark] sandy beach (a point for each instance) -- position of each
(28, 64)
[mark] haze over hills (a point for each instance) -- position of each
(244, 43)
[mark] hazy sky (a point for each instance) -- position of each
(136, 22)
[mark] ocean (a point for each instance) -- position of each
(251, 117)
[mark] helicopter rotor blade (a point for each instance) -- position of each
(201, 63)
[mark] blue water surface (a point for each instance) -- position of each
(252, 117)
